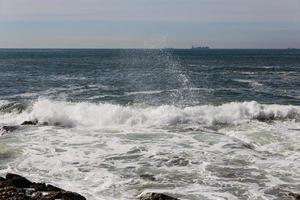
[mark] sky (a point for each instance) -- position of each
(149, 23)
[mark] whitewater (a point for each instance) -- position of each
(101, 115)
(111, 124)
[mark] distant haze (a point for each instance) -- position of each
(149, 23)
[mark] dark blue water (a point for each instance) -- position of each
(185, 77)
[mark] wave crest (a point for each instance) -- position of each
(105, 114)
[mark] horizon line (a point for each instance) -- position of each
(140, 48)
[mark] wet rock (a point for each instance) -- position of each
(37, 195)
(7, 129)
(282, 193)
(63, 195)
(149, 177)
(10, 176)
(294, 196)
(53, 195)
(155, 196)
(16, 187)
(71, 196)
(18, 181)
(52, 188)
(39, 186)
(266, 117)
(5, 183)
(33, 122)
(12, 193)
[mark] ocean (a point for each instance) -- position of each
(194, 124)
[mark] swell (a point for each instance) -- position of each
(104, 114)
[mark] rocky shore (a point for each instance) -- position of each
(11, 128)
(16, 187)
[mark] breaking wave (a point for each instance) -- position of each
(104, 114)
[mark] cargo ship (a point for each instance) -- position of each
(200, 48)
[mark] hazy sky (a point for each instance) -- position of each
(150, 23)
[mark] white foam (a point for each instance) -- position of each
(3, 102)
(105, 114)
(66, 77)
(144, 92)
(250, 82)
(107, 163)
(247, 73)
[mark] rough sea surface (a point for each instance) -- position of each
(198, 125)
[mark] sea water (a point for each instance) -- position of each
(195, 124)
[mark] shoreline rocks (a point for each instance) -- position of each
(155, 196)
(8, 129)
(31, 123)
(11, 128)
(17, 187)
(294, 195)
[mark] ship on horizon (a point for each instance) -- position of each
(200, 48)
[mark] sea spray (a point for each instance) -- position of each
(159, 66)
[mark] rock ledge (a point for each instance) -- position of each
(16, 187)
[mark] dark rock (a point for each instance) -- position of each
(34, 122)
(10, 176)
(5, 183)
(53, 196)
(37, 196)
(71, 196)
(18, 181)
(155, 196)
(16, 187)
(7, 129)
(63, 195)
(52, 188)
(266, 118)
(15, 181)
(39, 186)
(149, 177)
(295, 196)
(12, 193)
